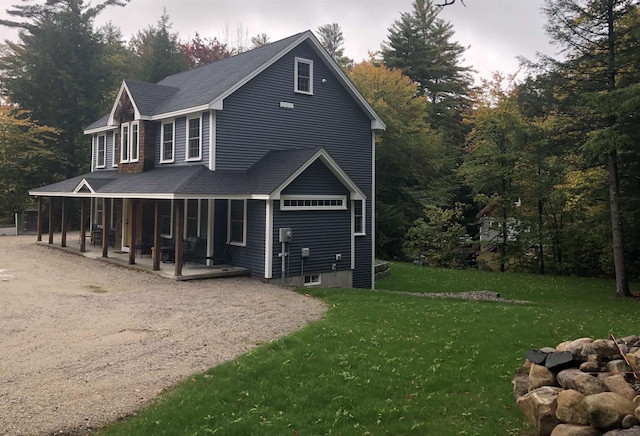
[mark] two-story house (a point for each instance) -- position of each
(267, 152)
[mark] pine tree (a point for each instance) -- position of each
(332, 39)
(57, 71)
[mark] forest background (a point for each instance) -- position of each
(548, 164)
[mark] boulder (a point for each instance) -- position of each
(634, 361)
(570, 409)
(617, 365)
(574, 430)
(637, 412)
(617, 383)
(592, 364)
(629, 421)
(540, 376)
(558, 360)
(567, 378)
(633, 431)
(539, 407)
(636, 401)
(589, 385)
(579, 348)
(606, 410)
(520, 382)
(606, 349)
(629, 341)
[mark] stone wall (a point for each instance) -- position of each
(582, 387)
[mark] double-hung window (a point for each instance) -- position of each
(124, 143)
(303, 77)
(237, 222)
(129, 141)
(194, 139)
(101, 157)
(168, 143)
(358, 217)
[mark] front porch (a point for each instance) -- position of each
(144, 262)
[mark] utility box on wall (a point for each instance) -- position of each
(286, 234)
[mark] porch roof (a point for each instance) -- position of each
(261, 181)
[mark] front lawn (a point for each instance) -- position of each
(389, 363)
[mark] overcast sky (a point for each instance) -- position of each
(496, 31)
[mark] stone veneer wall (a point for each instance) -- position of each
(582, 387)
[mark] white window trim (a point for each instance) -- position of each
(295, 76)
(199, 157)
(173, 141)
(283, 198)
(244, 225)
(362, 219)
(314, 279)
(104, 151)
(114, 155)
(186, 216)
(137, 124)
(124, 158)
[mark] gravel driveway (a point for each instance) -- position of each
(84, 342)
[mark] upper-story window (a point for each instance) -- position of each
(194, 139)
(303, 78)
(129, 141)
(115, 149)
(168, 144)
(101, 157)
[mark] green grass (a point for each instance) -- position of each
(382, 363)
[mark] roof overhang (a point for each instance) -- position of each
(338, 172)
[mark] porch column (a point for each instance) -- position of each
(83, 225)
(156, 237)
(132, 226)
(50, 220)
(179, 218)
(39, 219)
(65, 204)
(106, 213)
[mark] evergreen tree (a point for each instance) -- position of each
(57, 71)
(158, 52)
(420, 45)
(259, 40)
(332, 39)
(594, 75)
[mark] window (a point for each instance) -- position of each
(166, 222)
(237, 222)
(358, 217)
(99, 211)
(192, 209)
(129, 141)
(102, 151)
(303, 76)
(116, 150)
(124, 143)
(166, 154)
(194, 145)
(311, 279)
(135, 139)
(313, 202)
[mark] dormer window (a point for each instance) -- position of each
(129, 141)
(303, 77)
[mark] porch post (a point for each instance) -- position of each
(179, 218)
(39, 219)
(132, 225)
(106, 213)
(156, 237)
(65, 203)
(83, 226)
(50, 220)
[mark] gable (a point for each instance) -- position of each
(317, 179)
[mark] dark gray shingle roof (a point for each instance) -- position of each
(148, 97)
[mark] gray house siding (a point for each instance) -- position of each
(252, 255)
(324, 232)
(252, 123)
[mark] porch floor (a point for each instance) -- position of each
(190, 271)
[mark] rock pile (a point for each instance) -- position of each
(584, 387)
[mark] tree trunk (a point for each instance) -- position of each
(540, 241)
(622, 281)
